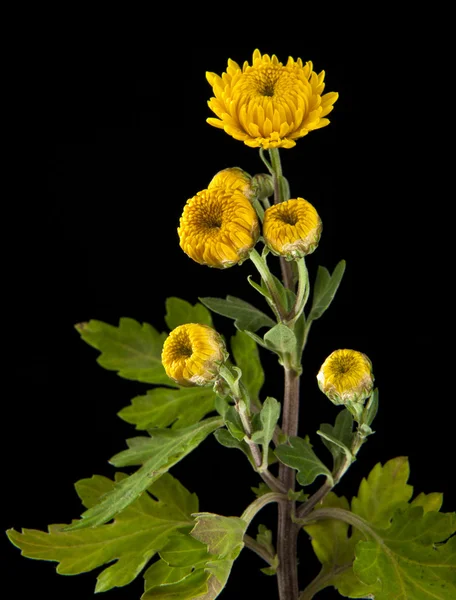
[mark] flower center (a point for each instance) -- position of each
(211, 217)
(345, 364)
(264, 81)
(288, 217)
(182, 346)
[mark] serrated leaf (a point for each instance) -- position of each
(280, 339)
(180, 312)
(136, 534)
(246, 315)
(132, 349)
(161, 573)
(384, 490)
(300, 456)
(325, 289)
(261, 490)
(338, 438)
(162, 407)
(269, 415)
(406, 560)
(192, 587)
(223, 536)
(184, 551)
(165, 449)
(247, 357)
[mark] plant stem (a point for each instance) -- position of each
(287, 274)
(287, 532)
(302, 294)
(260, 503)
(263, 270)
(258, 549)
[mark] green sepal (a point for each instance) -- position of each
(325, 289)
(246, 316)
(300, 456)
(180, 312)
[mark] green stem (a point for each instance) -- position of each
(287, 532)
(340, 514)
(322, 581)
(259, 503)
(302, 293)
(285, 266)
(265, 161)
(258, 549)
(259, 209)
(266, 276)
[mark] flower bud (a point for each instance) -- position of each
(234, 179)
(292, 229)
(192, 354)
(346, 378)
(218, 227)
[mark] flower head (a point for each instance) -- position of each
(292, 228)
(192, 354)
(269, 104)
(218, 227)
(346, 377)
(233, 179)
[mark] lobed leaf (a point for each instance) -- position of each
(162, 451)
(131, 349)
(136, 534)
(246, 316)
(300, 456)
(180, 312)
(162, 407)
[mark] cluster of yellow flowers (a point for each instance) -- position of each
(219, 226)
(267, 105)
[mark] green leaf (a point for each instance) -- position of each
(246, 315)
(280, 339)
(131, 540)
(162, 407)
(269, 416)
(338, 438)
(325, 289)
(261, 490)
(162, 451)
(300, 456)
(370, 411)
(223, 536)
(407, 558)
(179, 312)
(225, 438)
(184, 551)
(234, 423)
(247, 357)
(192, 587)
(132, 349)
(161, 573)
(384, 490)
(335, 550)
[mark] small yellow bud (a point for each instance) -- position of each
(234, 179)
(192, 354)
(346, 377)
(292, 229)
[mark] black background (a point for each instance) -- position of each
(108, 147)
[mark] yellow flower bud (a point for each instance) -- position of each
(292, 229)
(346, 377)
(233, 179)
(192, 354)
(218, 227)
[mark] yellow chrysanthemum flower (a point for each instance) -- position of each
(346, 377)
(218, 227)
(192, 354)
(233, 179)
(292, 228)
(268, 104)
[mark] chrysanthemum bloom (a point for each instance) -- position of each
(233, 179)
(292, 228)
(346, 377)
(218, 227)
(192, 354)
(268, 104)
